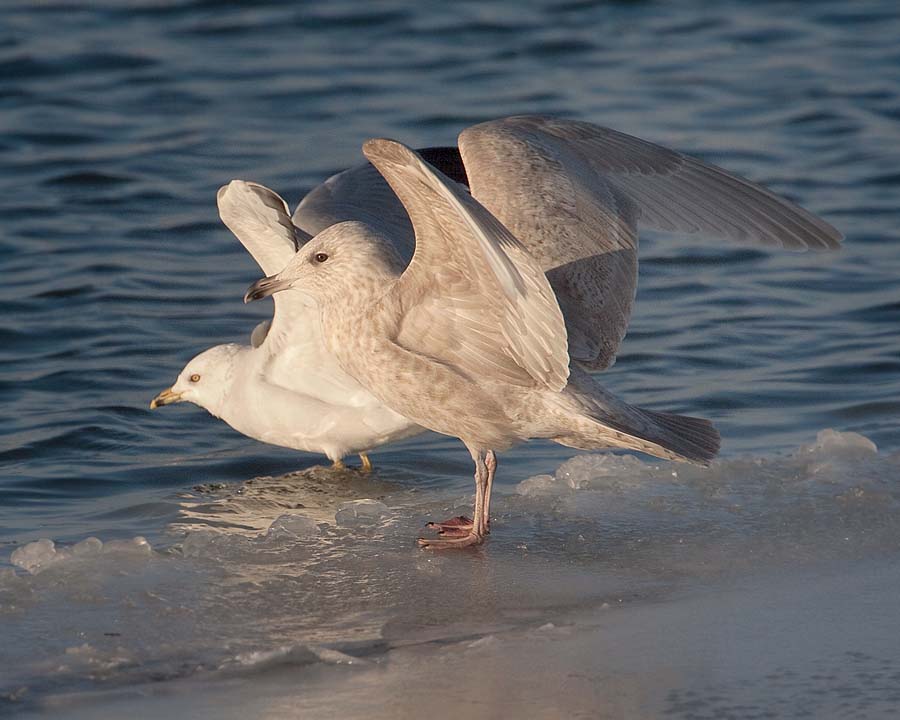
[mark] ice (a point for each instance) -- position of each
(296, 526)
(360, 512)
(786, 646)
(633, 582)
(619, 473)
(336, 657)
(92, 546)
(136, 547)
(35, 555)
(41, 554)
(539, 485)
(199, 543)
(841, 444)
(584, 471)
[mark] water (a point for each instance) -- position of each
(610, 585)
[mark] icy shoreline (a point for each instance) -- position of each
(611, 581)
(815, 644)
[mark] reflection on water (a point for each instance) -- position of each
(317, 493)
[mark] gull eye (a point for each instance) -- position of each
(321, 257)
(195, 378)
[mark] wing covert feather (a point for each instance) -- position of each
(472, 295)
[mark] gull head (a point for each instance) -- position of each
(343, 259)
(205, 380)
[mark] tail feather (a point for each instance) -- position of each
(610, 422)
(695, 439)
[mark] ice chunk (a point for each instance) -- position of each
(137, 546)
(584, 471)
(336, 657)
(590, 472)
(298, 526)
(35, 556)
(41, 554)
(834, 442)
(88, 546)
(539, 485)
(360, 512)
(196, 544)
(216, 544)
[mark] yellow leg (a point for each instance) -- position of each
(366, 463)
(338, 465)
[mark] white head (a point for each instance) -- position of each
(342, 259)
(205, 381)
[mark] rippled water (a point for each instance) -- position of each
(119, 122)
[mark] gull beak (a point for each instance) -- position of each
(166, 397)
(265, 287)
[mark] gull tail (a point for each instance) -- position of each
(605, 422)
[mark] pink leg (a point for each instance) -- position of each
(490, 462)
(460, 531)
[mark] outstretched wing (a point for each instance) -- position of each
(260, 219)
(472, 296)
(574, 194)
(361, 193)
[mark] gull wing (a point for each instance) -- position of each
(260, 219)
(575, 193)
(361, 193)
(472, 296)
(293, 338)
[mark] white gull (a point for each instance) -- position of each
(256, 388)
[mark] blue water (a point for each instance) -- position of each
(121, 119)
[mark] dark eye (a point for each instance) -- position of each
(321, 257)
(195, 378)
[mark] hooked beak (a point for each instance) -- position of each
(166, 397)
(265, 287)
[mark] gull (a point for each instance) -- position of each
(518, 287)
(255, 388)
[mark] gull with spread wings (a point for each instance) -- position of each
(516, 285)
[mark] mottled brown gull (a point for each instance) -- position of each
(575, 194)
(469, 340)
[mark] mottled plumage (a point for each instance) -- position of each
(469, 339)
(575, 195)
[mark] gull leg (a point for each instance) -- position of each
(490, 462)
(366, 463)
(338, 465)
(461, 532)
